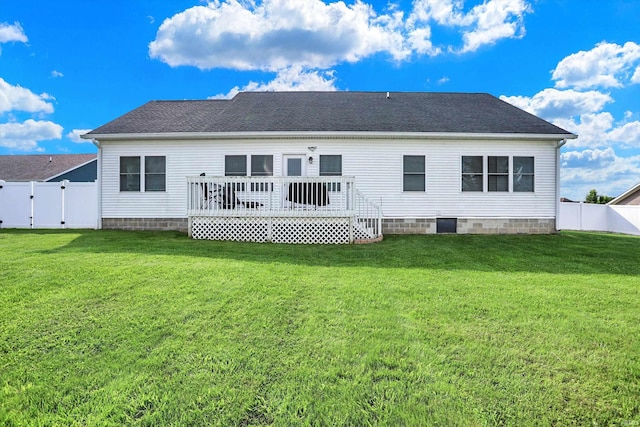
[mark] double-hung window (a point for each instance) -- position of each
(523, 174)
(154, 177)
(472, 173)
(503, 173)
(258, 165)
(130, 173)
(498, 173)
(331, 165)
(414, 173)
(261, 165)
(155, 172)
(235, 165)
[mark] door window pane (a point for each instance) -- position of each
(294, 167)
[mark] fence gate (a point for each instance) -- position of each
(48, 204)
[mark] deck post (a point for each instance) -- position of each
(351, 225)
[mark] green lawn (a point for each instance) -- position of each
(143, 328)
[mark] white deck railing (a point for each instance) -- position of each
(271, 196)
(368, 216)
(286, 209)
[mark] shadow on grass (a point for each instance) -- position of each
(565, 253)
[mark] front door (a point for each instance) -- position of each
(294, 165)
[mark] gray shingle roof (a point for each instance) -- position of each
(430, 112)
(40, 167)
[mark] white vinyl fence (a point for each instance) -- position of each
(592, 217)
(48, 204)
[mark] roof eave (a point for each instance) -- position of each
(95, 159)
(625, 195)
(326, 134)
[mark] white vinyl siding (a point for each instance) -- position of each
(377, 165)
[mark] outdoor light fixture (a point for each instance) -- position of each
(312, 149)
(310, 160)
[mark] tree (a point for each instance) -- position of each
(593, 197)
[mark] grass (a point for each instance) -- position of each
(144, 328)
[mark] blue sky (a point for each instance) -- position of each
(68, 66)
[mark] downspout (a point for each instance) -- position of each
(99, 182)
(558, 147)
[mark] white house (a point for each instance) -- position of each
(330, 167)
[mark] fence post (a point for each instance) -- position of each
(32, 195)
(63, 186)
(1, 187)
(580, 217)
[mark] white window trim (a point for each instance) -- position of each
(248, 163)
(485, 173)
(426, 170)
(143, 174)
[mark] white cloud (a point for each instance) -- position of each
(602, 170)
(628, 134)
(593, 129)
(276, 34)
(293, 78)
(636, 76)
(601, 130)
(12, 33)
(591, 160)
(484, 24)
(25, 136)
(495, 20)
(56, 73)
(443, 12)
(74, 136)
(606, 65)
(14, 98)
(552, 104)
(596, 157)
(419, 40)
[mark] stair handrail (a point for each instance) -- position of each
(368, 212)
